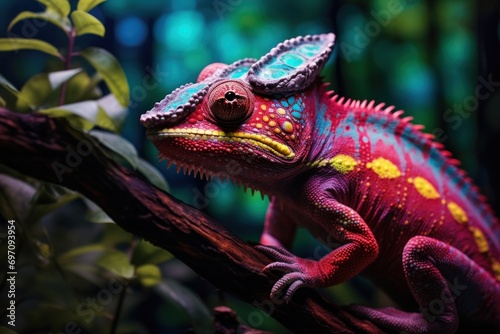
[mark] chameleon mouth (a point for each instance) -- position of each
(253, 139)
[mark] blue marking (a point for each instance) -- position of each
(184, 95)
(296, 115)
(284, 103)
(364, 139)
(308, 50)
(297, 107)
(291, 100)
(292, 59)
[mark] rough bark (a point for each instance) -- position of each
(35, 144)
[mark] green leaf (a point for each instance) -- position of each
(56, 79)
(113, 109)
(104, 121)
(87, 24)
(8, 92)
(110, 70)
(12, 44)
(196, 310)
(118, 263)
(115, 236)
(61, 7)
(118, 145)
(5, 330)
(87, 5)
(148, 274)
(99, 216)
(43, 206)
(152, 174)
(147, 253)
(85, 254)
(48, 16)
(39, 87)
(86, 109)
(81, 88)
(15, 197)
(6, 84)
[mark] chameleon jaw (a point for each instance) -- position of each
(253, 139)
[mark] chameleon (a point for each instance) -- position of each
(389, 200)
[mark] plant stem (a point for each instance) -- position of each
(67, 63)
(121, 298)
(119, 307)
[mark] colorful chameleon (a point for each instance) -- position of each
(353, 172)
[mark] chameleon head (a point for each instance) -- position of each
(248, 114)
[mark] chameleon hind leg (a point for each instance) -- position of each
(445, 283)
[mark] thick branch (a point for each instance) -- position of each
(38, 146)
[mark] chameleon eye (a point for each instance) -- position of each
(230, 102)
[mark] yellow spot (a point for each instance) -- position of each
(424, 187)
(258, 126)
(457, 212)
(481, 242)
(276, 130)
(265, 119)
(281, 111)
(496, 268)
(384, 168)
(287, 126)
(343, 163)
(263, 107)
(292, 136)
(272, 123)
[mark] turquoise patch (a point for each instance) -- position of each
(183, 97)
(284, 104)
(296, 115)
(292, 59)
(308, 50)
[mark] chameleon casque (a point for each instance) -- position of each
(352, 172)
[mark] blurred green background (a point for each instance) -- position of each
(425, 57)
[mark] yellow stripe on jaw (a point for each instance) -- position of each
(254, 138)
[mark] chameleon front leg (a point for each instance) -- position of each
(445, 283)
(279, 228)
(359, 248)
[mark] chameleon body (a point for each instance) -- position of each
(392, 204)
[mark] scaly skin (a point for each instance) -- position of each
(354, 173)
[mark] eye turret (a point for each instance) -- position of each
(230, 102)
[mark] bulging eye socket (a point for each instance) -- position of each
(230, 102)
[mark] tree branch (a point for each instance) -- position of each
(38, 145)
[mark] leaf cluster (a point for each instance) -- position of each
(64, 256)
